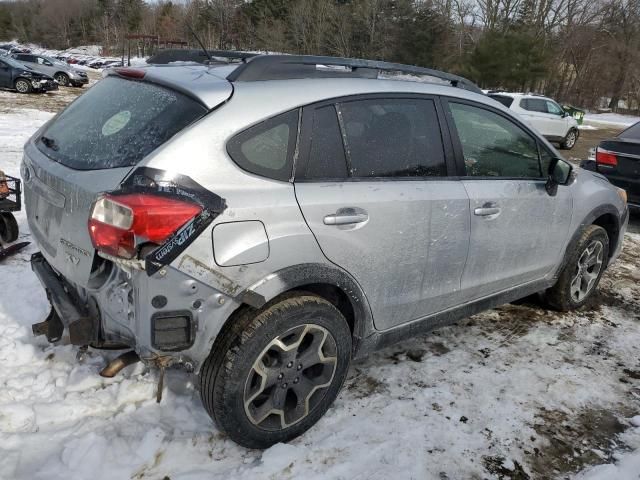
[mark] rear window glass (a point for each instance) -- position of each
(503, 99)
(116, 124)
(632, 132)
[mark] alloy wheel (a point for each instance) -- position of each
(571, 139)
(587, 271)
(22, 86)
(62, 79)
(290, 376)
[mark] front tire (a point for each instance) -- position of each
(274, 373)
(570, 140)
(62, 79)
(23, 86)
(581, 274)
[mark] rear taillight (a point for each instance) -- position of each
(605, 157)
(120, 223)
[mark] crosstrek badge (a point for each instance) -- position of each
(116, 123)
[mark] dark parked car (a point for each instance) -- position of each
(17, 76)
(618, 159)
(60, 71)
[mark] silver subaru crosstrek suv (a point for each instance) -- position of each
(261, 223)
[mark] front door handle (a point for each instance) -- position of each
(345, 218)
(486, 210)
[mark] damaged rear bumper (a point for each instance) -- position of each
(168, 319)
(65, 311)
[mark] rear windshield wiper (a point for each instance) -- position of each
(49, 143)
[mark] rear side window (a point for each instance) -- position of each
(326, 157)
(267, 149)
(116, 124)
(534, 105)
(503, 99)
(392, 138)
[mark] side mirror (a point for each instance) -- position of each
(559, 174)
(48, 63)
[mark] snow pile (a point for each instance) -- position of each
(611, 119)
(500, 395)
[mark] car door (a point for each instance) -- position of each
(373, 184)
(558, 122)
(534, 112)
(6, 79)
(518, 230)
(45, 66)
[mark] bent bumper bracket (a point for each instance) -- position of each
(81, 327)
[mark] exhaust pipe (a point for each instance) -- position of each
(118, 363)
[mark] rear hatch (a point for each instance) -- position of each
(90, 148)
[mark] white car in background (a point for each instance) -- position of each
(543, 114)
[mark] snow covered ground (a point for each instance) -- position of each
(611, 119)
(518, 392)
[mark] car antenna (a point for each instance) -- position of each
(200, 43)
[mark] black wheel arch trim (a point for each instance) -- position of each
(600, 210)
(297, 276)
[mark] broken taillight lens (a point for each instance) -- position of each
(605, 157)
(120, 223)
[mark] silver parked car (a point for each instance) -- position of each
(264, 223)
(63, 73)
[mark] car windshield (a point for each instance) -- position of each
(14, 63)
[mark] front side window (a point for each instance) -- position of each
(494, 146)
(554, 108)
(267, 149)
(392, 138)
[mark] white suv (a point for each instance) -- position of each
(543, 114)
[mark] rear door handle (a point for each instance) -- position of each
(345, 218)
(486, 211)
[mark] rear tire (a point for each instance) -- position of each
(8, 228)
(581, 274)
(23, 86)
(274, 372)
(570, 140)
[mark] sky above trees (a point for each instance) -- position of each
(575, 50)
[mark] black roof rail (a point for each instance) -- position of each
(169, 55)
(282, 67)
